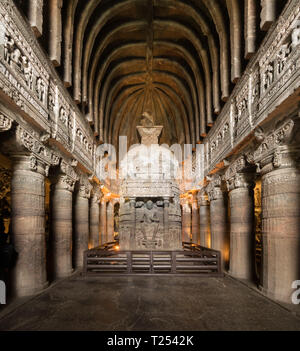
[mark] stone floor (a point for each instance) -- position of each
(149, 303)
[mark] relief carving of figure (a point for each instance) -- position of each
(282, 57)
(8, 48)
(149, 225)
(27, 71)
(296, 35)
(269, 76)
(40, 89)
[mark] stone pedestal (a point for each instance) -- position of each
(28, 225)
(281, 232)
(195, 222)
(81, 225)
(218, 223)
(110, 221)
(241, 263)
(94, 220)
(204, 224)
(61, 214)
(103, 231)
(186, 221)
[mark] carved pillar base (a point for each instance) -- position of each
(281, 232)
(28, 225)
(81, 227)
(61, 200)
(241, 233)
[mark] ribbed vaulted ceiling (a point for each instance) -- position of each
(177, 59)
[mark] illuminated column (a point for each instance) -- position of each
(195, 221)
(218, 223)
(203, 203)
(241, 199)
(61, 224)
(103, 230)
(278, 161)
(94, 218)
(186, 221)
(28, 225)
(110, 220)
(81, 223)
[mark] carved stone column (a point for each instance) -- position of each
(103, 228)
(278, 160)
(28, 225)
(195, 221)
(218, 223)
(204, 224)
(241, 199)
(110, 221)
(132, 202)
(61, 223)
(166, 218)
(81, 223)
(95, 219)
(186, 221)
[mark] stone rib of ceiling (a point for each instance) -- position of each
(176, 58)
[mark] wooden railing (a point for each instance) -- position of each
(193, 260)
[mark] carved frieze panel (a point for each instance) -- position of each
(271, 77)
(37, 148)
(25, 78)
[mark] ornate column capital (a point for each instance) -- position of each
(202, 198)
(66, 177)
(96, 195)
(84, 188)
(214, 188)
(29, 163)
(29, 143)
(279, 148)
(239, 175)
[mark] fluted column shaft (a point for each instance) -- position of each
(281, 232)
(103, 230)
(204, 224)
(241, 200)
(186, 222)
(132, 240)
(81, 226)
(166, 220)
(195, 222)
(28, 225)
(110, 221)
(218, 224)
(61, 215)
(94, 220)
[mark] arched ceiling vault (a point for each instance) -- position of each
(178, 59)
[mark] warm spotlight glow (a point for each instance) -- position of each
(117, 247)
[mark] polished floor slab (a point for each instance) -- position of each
(149, 303)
